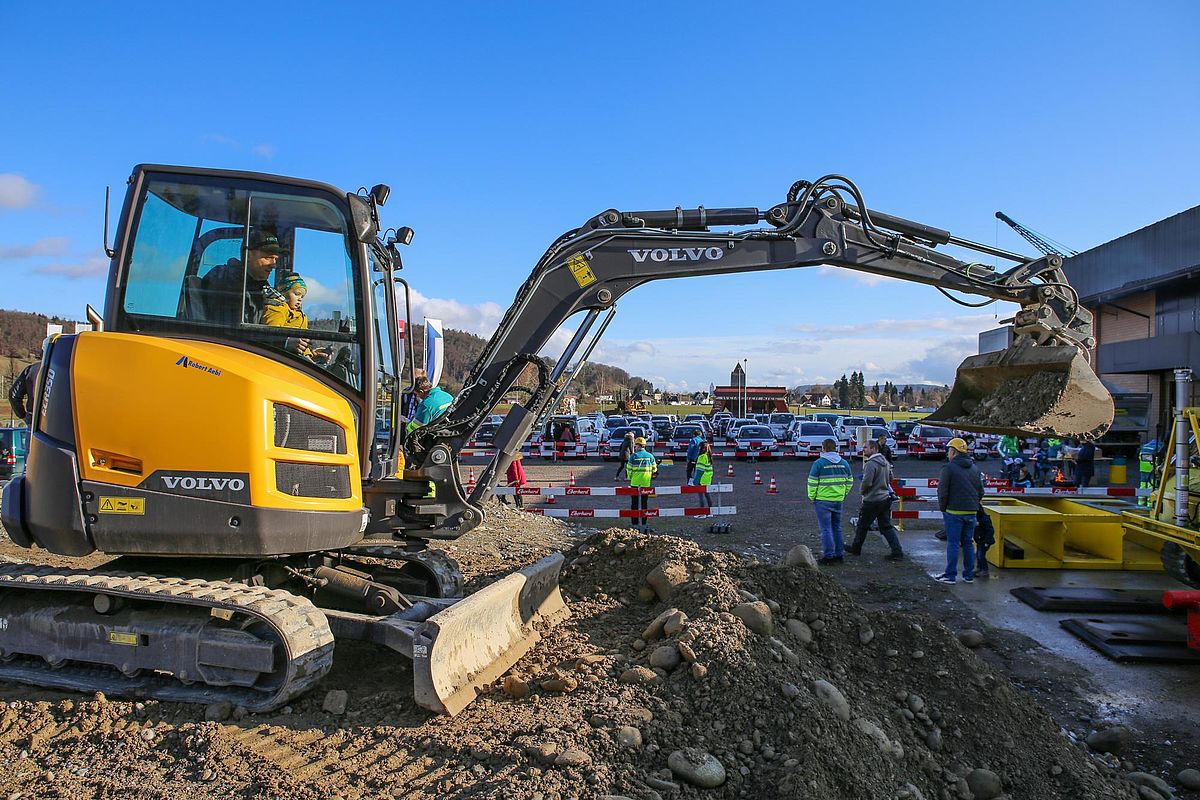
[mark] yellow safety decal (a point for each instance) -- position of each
(580, 269)
(116, 637)
(122, 505)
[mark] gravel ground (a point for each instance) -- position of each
(689, 657)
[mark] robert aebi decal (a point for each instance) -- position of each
(186, 362)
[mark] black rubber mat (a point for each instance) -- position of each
(1091, 600)
(1131, 640)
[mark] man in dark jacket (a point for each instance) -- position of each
(1085, 465)
(20, 394)
(960, 496)
(234, 293)
(625, 452)
(876, 493)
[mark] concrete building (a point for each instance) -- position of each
(1144, 291)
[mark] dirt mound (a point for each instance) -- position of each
(680, 669)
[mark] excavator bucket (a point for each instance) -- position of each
(476, 640)
(1028, 391)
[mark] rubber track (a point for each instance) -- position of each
(300, 627)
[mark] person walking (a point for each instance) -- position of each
(829, 481)
(641, 469)
(703, 475)
(693, 452)
(625, 453)
(1085, 465)
(876, 493)
(1010, 452)
(960, 496)
(516, 479)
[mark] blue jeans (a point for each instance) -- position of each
(829, 520)
(960, 532)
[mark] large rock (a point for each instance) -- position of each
(1189, 779)
(984, 784)
(800, 630)
(674, 623)
(800, 556)
(218, 712)
(656, 626)
(881, 739)
(1152, 781)
(335, 701)
(697, 767)
(666, 578)
(639, 674)
(832, 697)
(1110, 740)
(969, 637)
(756, 616)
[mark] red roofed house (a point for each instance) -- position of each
(740, 399)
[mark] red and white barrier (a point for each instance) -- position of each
(914, 489)
(610, 491)
(626, 513)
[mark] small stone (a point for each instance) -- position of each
(646, 594)
(559, 685)
(800, 556)
(881, 739)
(829, 694)
(546, 752)
(1146, 793)
(790, 690)
(666, 577)
(697, 767)
(240, 712)
(655, 628)
(638, 645)
(866, 635)
(1110, 740)
(572, 758)
(699, 672)
(918, 655)
(800, 630)
(891, 652)
(335, 701)
(207, 775)
(1151, 781)
(218, 712)
(639, 674)
(756, 616)
(665, 657)
(817, 625)
(99, 697)
(1189, 779)
(933, 740)
(916, 703)
(514, 687)
(686, 652)
(660, 784)
(1056, 770)
(970, 637)
(674, 623)
(148, 735)
(984, 784)
(629, 736)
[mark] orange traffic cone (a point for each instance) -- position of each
(550, 498)
(572, 483)
(757, 478)
(729, 472)
(773, 488)
(471, 478)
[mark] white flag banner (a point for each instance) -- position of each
(402, 334)
(435, 350)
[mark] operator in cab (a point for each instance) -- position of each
(236, 293)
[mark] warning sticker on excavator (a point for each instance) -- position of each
(122, 505)
(580, 269)
(117, 637)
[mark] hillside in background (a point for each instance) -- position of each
(21, 333)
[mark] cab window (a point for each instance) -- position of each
(248, 263)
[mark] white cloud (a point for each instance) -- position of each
(876, 327)
(91, 267)
(861, 278)
(264, 150)
(48, 246)
(16, 192)
(481, 319)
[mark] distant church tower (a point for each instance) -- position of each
(738, 376)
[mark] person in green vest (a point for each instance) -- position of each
(1146, 454)
(434, 402)
(829, 481)
(702, 475)
(641, 469)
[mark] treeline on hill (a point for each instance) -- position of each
(22, 333)
(852, 392)
(462, 350)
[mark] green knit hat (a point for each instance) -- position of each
(291, 282)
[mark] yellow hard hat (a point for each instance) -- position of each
(640, 440)
(957, 443)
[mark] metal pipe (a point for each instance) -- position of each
(1182, 378)
(584, 327)
(579, 364)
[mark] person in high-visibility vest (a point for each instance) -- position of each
(702, 475)
(1146, 454)
(641, 469)
(829, 481)
(434, 402)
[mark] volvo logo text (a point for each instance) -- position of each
(213, 484)
(678, 254)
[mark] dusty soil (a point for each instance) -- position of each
(586, 715)
(1018, 401)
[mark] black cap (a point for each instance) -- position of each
(264, 242)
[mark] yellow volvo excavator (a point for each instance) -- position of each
(254, 481)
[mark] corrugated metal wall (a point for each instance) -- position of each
(1167, 249)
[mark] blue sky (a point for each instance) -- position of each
(500, 126)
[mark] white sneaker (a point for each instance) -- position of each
(943, 578)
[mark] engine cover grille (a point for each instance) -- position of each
(312, 480)
(299, 430)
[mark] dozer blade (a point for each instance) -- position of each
(476, 640)
(1028, 391)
